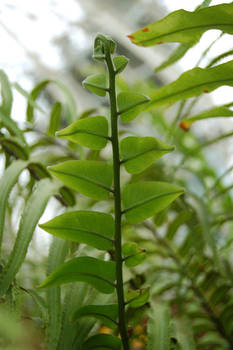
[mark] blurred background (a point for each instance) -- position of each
(53, 39)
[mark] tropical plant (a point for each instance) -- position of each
(157, 271)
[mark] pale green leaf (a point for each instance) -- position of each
(7, 182)
(92, 178)
(216, 112)
(133, 255)
(33, 210)
(193, 83)
(130, 104)
(57, 253)
(184, 334)
(159, 328)
(138, 153)
(143, 200)
(181, 50)
(185, 27)
(138, 298)
(120, 62)
(6, 94)
(96, 83)
(89, 227)
(174, 57)
(100, 274)
(107, 314)
(55, 119)
(34, 94)
(102, 342)
(89, 132)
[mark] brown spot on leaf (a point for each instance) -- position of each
(131, 37)
(185, 125)
(145, 29)
(159, 42)
(205, 91)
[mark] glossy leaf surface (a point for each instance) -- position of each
(193, 83)
(100, 274)
(89, 227)
(130, 104)
(91, 178)
(143, 200)
(138, 153)
(133, 255)
(185, 27)
(107, 314)
(96, 83)
(102, 342)
(89, 132)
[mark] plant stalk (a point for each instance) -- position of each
(117, 201)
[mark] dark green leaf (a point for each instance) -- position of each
(138, 298)
(12, 127)
(102, 342)
(133, 255)
(185, 27)
(89, 132)
(96, 83)
(92, 178)
(140, 152)
(130, 104)
(120, 62)
(143, 200)
(107, 314)
(93, 228)
(100, 274)
(14, 146)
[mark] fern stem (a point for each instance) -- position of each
(117, 201)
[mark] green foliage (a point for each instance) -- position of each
(185, 27)
(138, 153)
(89, 227)
(130, 104)
(100, 274)
(105, 313)
(89, 132)
(143, 200)
(92, 178)
(113, 245)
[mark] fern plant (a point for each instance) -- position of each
(137, 202)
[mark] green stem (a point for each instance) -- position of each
(117, 201)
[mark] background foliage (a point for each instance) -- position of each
(189, 245)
